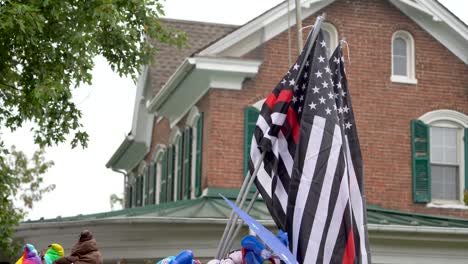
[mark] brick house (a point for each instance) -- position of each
(196, 107)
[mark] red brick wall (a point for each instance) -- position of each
(383, 109)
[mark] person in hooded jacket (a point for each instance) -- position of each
(85, 251)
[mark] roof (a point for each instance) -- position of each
(211, 206)
(430, 15)
(200, 34)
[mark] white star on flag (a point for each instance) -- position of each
(296, 67)
(321, 59)
(291, 82)
(323, 43)
(316, 89)
(348, 125)
(346, 109)
(331, 95)
(322, 100)
(325, 84)
(336, 60)
(318, 74)
(312, 105)
(328, 110)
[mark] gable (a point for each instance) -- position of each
(429, 15)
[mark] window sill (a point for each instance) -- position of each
(447, 205)
(403, 79)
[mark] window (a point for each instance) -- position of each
(445, 162)
(193, 144)
(440, 155)
(160, 175)
(403, 65)
(330, 34)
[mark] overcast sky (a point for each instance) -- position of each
(83, 183)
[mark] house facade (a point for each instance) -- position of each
(407, 69)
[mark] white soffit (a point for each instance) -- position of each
(194, 78)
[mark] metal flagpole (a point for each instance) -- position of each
(247, 183)
(239, 225)
(299, 26)
(228, 230)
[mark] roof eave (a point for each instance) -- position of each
(123, 151)
(184, 68)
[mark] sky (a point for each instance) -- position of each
(83, 183)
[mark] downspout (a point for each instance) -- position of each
(124, 203)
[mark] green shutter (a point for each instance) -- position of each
(146, 186)
(163, 193)
(155, 182)
(140, 190)
(170, 173)
(151, 183)
(198, 158)
(250, 120)
(134, 192)
(466, 158)
(129, 197)
(180, 155)
(420, 162)
(187, 161)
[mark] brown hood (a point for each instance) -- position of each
(84, 248)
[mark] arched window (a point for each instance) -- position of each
(440, 156)
(403, 65)
(330, 35)
(160, 176)
(194, 134)
(140, 184)
(175, 140)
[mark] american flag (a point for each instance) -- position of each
(311, 176)
(277, 134)
(325, 215)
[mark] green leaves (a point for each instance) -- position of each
(20, 180)
(46, 50)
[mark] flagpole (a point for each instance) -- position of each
(318, 23)
(246, 184)
(299, 26)
(228, 230)
(239, 225)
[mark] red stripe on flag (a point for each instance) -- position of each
(292, 119)
(285, 96)
(271, 100)
(350, 252)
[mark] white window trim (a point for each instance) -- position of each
(259, 104)
(141, 174)
(192, 120)
(157, 159)
(410, 59)
(174, 139)
(450, 119)
(331, 29)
